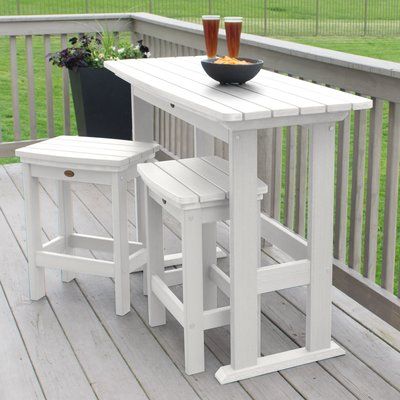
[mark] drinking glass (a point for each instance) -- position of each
(233, 29)
(211, 27)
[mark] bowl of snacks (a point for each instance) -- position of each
(228, 70)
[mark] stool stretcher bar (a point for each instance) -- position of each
(77, 240)
(269, 278)
(171, 260)
(137, 258)
(277, 362)
(55, 245)
(169, 300)
(66, 262)
(213, 318)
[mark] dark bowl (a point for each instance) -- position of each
(232, 74)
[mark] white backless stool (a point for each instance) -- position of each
(69, 159)
(195, 191)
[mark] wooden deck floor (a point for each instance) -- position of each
(71, 345)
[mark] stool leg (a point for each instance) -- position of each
(65, 221)
(121, 245)
(192, 256)
(155, 259)
(33, 233)
(141, 222)
(209, 237)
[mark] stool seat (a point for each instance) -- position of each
(191, 181)
(88, 151)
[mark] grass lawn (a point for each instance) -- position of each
(275, 17)
(384, 48)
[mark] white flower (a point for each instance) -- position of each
(121, 50)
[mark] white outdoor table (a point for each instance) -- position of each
(234, 114)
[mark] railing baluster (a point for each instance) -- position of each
(225, 151)
(357, 189)
(340, 233)
(178, 137)
(290, 175)
(391, 201)
(276, 184)
(172, 134)
(49, 87)
(14, 88)
(116, 38)
(134, 37)
(374, 159)
(31, 86)
(301, 181)
(179, 124)
(156, 133)
(66, 100)
(185, 126)
(218, 147)
(265, 166)
(168, 116)
(190, 140)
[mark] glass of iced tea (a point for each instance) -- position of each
(233, 29)
(211, 27)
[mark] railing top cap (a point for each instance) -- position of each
(351, 61)
(62, 17)
(332, 57)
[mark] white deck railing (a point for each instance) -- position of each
(362, 180)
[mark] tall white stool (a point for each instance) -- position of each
(69, 159)
(195, 191)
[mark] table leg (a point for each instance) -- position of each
(320, 236)
(142, 130)
(244, 248)
(244, 363)
(143, 123)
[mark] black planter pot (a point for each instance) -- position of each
(102, 103)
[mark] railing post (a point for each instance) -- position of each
(391, 200)
(316, 17)
(150, 6)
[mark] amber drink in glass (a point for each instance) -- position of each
(233, 29)
(211, 27)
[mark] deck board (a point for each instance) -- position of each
(79, 339)
(56, 365)
(17, 376)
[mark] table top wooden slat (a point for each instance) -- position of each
(182, 81)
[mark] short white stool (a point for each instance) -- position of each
(195, 191)
(69, 159)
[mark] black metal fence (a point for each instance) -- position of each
(265, 17)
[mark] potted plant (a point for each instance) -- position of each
(102, 101)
